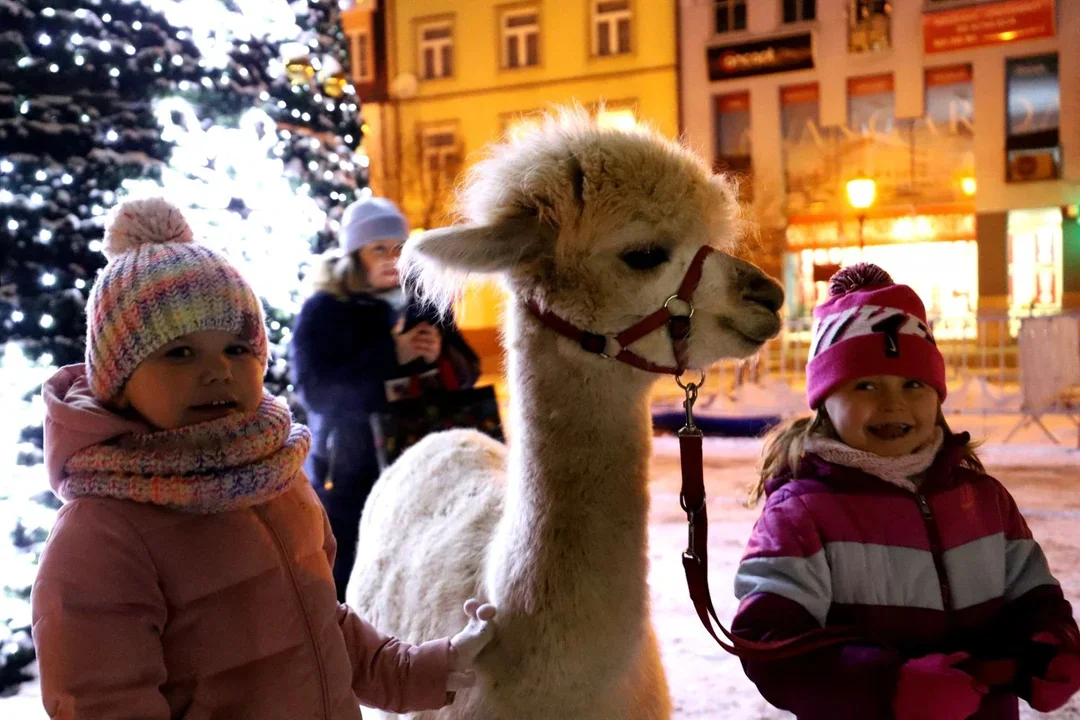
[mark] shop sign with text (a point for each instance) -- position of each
(987, 24)
(780, 54)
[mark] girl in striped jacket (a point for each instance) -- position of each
(880, 519)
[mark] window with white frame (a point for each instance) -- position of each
(730, 15)
(611, 27)
(442, 156)
(521, 38)
(436, 50)
(361, 56)
(799, 10)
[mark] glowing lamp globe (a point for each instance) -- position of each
(861, 192)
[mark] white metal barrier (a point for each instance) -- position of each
(982, 359)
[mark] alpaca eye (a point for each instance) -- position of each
(646, 258)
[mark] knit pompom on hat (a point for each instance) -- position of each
(145, 222)
(870, 325)
(159, 285)
(859, 276)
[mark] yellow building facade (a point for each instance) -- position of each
(441, 79)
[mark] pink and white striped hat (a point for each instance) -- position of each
(869, 326)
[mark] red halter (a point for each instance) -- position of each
(678, 326)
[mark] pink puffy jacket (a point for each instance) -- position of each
(144, 612)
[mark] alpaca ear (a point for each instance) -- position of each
(491, 248)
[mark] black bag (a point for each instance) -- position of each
(404, 423)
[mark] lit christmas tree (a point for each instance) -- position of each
(238, 111)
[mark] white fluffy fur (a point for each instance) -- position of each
(553, 528)
(143, 222)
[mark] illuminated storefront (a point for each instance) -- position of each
(918, 216)
(936, 254)
(1035, 261)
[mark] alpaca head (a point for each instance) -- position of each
(600, 226)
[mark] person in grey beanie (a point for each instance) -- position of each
(359, 342)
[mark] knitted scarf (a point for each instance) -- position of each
(897, 471)
(226, 464)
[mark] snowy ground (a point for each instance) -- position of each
(705, 681)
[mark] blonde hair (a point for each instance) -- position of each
(785, 444)
(340, 274)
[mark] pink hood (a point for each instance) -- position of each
(75, 419)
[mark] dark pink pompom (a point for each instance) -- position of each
(858, 277)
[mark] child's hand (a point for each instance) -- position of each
(956, 695)
(1060, 683)
(467, 644)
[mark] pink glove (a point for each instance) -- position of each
(930, 688)
(1061, 681)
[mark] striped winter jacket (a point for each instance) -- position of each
(953, 567)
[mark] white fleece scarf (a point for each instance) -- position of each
(898, 471)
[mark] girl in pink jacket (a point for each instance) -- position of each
(188, 574)
(880, 520)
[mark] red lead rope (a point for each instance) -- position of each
(696, 559)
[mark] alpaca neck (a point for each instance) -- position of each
(575, 524)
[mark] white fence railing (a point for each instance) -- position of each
(981, 358)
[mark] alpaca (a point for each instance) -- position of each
(599, 226)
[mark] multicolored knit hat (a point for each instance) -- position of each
(870, 325)
(159, 285)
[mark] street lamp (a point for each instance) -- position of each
(860, 193)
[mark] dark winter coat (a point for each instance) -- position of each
(341, 354)
(951, 568)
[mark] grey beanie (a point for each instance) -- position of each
(371, 219)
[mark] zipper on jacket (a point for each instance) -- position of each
(303, 607)
(936, 550)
